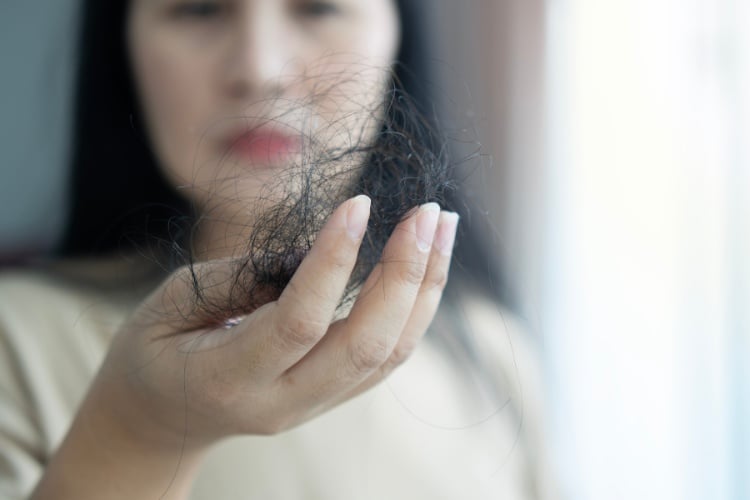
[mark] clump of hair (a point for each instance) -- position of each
(405, 165)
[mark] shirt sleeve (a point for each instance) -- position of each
(21, 442)
(52, 340)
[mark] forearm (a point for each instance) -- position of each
(105, 458)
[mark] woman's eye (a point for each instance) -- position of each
(318, 9)
(198, 10)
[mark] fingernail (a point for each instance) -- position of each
(427, 219)
(357, 216)
(446, 233)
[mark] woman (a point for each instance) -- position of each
(262, 123)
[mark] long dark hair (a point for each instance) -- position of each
(119, 199)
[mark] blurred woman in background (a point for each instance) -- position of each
(256, 242)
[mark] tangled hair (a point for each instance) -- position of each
(120, 200)
(404, 166)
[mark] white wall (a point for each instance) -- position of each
(646, 256)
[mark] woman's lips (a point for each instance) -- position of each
(263, 146)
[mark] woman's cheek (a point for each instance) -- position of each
(175, 96)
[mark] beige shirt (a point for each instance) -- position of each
(425, 433)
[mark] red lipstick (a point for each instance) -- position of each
(264, 146)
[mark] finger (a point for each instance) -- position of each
(357, 346)
(387, 298)
(425, 307)
(306, 307)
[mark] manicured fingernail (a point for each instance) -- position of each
(357, 216)
(427, 219)
(446, 233)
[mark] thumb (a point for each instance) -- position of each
(202, 295)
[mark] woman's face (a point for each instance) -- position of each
(234, 91)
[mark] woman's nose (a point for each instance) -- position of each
(262, 58)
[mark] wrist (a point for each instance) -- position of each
(111, 453)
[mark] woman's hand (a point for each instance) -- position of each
(287, 361)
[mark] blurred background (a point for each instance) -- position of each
(617, 135)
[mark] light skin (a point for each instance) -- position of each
(290, 360)
(208, 71)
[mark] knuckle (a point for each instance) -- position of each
(403, 351)
(437, 279)
(297, 332)
(411, 273)
(339, 258)
(366, 357)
